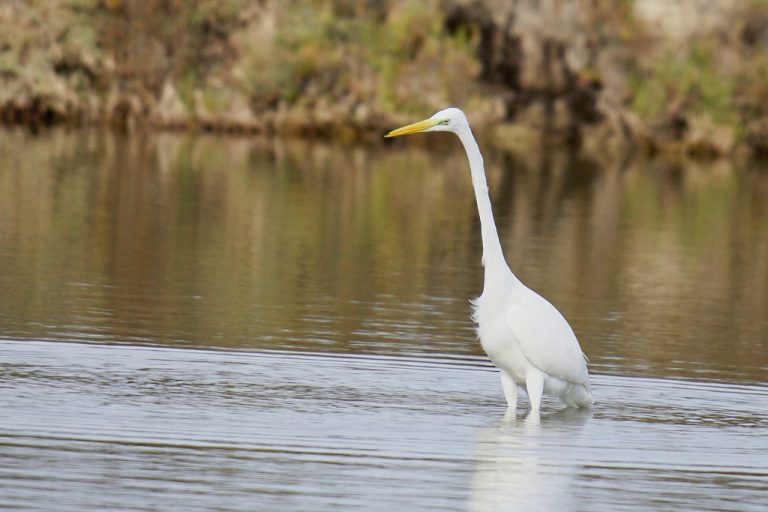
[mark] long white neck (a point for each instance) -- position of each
(496, 268)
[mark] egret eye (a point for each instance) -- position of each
(445, 121)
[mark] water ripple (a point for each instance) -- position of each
(139, 428)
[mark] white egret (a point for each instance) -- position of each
(525, 336)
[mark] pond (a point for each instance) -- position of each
(232, 323)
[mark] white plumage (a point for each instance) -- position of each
(525, 336)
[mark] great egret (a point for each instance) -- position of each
(525, 336)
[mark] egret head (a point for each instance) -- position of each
(448, 120)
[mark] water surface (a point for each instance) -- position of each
(139, 428)
(202, 323)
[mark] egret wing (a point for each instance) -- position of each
(546, 339)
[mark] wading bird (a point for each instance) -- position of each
(525, 336)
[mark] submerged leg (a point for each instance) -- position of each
(510, 390)
(534, 383)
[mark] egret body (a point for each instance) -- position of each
(525, 336)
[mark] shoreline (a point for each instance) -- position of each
(501, 137)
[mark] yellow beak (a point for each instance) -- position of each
(413, 128)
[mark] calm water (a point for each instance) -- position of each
(228, 324)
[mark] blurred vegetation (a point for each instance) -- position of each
(711, 92)
(263, 66)
(689, 75)
(352, 61)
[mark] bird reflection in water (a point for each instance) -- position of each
(519, 463)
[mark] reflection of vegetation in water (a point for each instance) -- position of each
(237, 242)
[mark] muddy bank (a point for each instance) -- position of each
(685, 76)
